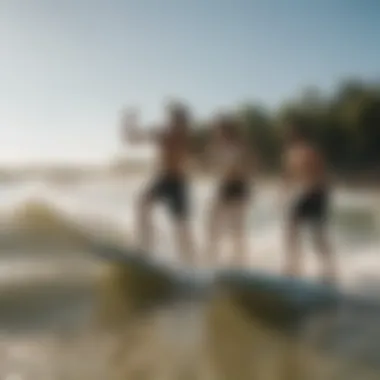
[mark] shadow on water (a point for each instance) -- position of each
(144, 321)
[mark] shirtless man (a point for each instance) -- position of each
(304, 168)
(170, 184)
(234, 162)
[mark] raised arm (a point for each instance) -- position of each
(132, 131)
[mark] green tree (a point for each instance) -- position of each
(345, 124)
(262, 134)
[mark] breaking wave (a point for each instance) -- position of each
(37, 223)
(219, 335)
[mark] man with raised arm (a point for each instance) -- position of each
(170, 184)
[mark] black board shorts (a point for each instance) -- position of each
(234, 190)
(311, 206)
(172, 189)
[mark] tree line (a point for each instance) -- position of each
(345, 124)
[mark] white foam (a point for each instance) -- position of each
(113, 202)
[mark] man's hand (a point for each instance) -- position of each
(132, 131)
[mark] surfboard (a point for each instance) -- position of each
(244, 305)
(276, 300)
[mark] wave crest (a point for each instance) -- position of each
(36, 221)
(39, 224)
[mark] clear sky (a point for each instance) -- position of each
(68, 66)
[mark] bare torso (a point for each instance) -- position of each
(232, 161)
(304, 166)
(173, 152)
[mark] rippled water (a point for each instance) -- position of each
(49, 304)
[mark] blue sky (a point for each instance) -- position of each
(69, 66)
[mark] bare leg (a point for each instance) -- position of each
(214, 232)
(144, 222)
(185, 242)
(292, 251)
(323, 248)
(238, 233)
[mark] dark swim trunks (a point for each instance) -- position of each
(234, 190)
(311, 206)
(172, 189)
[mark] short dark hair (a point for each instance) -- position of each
(178, 110)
